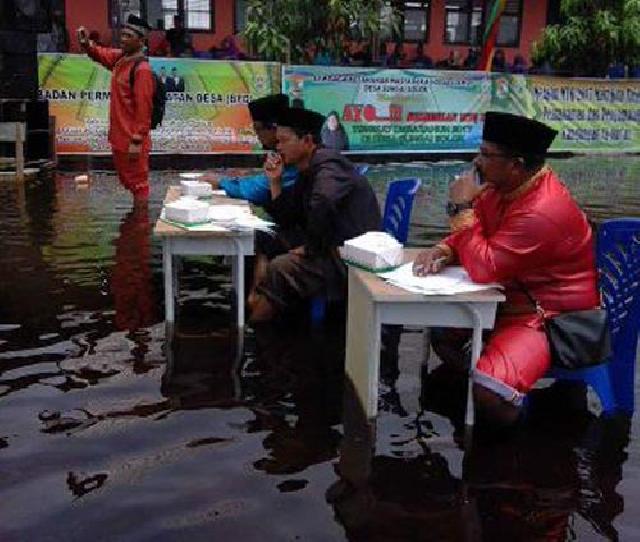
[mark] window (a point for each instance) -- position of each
(240, 15)
(463, 22)
(415, 21)
(196, 14)
(168, 10)
(509, 31)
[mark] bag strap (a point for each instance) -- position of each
(132, 73)
(533, 300)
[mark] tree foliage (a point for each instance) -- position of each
(594, 34)
(276, 28)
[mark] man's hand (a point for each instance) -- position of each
(465, 189)
(430, 261)
(299, 251)
(83, 37)
(134, 150)
(273, 167)
(212, 179)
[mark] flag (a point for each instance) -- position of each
(491, 34)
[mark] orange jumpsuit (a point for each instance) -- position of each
(536, 237)
(129, 116)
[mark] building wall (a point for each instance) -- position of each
(94, 15)
(534, 17)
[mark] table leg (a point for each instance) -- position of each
(236, 366)
(167, 266)
(237, 273)
(476, 348)
(362, 364)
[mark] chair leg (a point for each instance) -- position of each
(600, 382)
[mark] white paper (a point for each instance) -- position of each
(451, 280)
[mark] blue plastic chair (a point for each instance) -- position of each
(397, 207)
(618, 261)
(395, 221)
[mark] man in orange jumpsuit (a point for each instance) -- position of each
(131, 105)
(522, 229)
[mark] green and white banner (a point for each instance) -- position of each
(442, 111)
(381, 110)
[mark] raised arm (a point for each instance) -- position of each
(106, 56)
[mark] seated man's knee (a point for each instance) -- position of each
(494, 409)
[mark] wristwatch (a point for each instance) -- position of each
(454, 208)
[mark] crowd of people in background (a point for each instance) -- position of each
(177, 42)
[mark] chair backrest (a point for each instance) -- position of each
(618, 261)
(397, 207)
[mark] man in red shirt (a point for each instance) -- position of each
(131, 105)
(522, 229)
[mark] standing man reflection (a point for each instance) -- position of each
(131, 284)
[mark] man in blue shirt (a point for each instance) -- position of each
(255, 188)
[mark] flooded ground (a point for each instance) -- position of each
(107, 434)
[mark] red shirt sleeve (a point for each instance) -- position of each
(105, 55)
(518, 245)
(143, 89)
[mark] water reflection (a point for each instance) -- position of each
(216, 439)
(561, 467)
(131, 281)
(299, 396)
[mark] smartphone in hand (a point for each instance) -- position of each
(83, 37)
(273, 161)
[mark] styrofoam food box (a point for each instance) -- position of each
(187, 210)
(375, 250)
(196, 188)
(227, 213)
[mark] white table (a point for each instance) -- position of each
(373, 302)
(178, 241)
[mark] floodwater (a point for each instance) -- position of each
(107, 433)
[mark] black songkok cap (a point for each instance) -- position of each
(138, 25)
(302, 120)
(269, 108)
(519, 134)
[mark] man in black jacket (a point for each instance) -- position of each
(329, 204)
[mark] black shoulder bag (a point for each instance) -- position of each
(577, 339)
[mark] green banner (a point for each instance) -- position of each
(590, 115)
(381, 110)
(206, 103)
(442, 111)
(396, 110)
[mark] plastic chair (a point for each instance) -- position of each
(397, 207)
(618, 261)
(395, 221)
